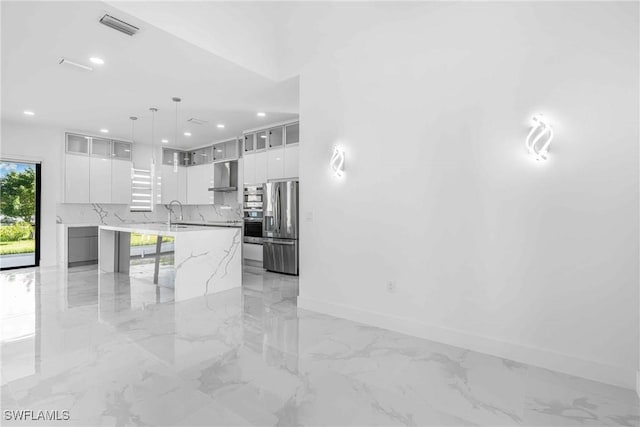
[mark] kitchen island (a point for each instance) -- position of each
(206, 259)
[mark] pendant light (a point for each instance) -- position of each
(175, 136)
(153, 156)
(133, 122)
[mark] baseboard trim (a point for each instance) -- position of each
(613, 375)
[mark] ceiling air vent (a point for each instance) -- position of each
(197, 121)
(119, 25)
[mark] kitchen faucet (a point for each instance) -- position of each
(169, 206)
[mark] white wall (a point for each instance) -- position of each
(489, 249)
(31, 142)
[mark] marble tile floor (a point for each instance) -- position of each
(117, 350)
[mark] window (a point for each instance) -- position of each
(141, 191)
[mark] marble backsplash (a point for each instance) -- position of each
(110, 214)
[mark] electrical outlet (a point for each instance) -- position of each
(391, 287)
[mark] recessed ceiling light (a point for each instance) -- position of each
(165, 141)
(261, 114)
(187, 134)
(220, 125)
(96, 60)
(104, 130)
(263, 136)
(29, 113)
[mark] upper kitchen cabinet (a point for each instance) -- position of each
(201, 156)
(261, 140)
(77, 144)
(232, 149)
(181, 158)
(77, 172)
(271, 154)
(121, 181)
(100, 147)
(249, 145)
(77, 168)
(96, 170)
(292, 134)
(100, 181)
(173, 183)
(199, 180)
(120, 150)
(291, 149)
(226, 150)
(275, 153)
(276, 136)
(219, 152)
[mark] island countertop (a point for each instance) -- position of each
(157, 229)
(205, 259)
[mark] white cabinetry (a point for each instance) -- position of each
(77, 170)
(261, 167)
(252, 251)
(96, 170)
(291, 161)
(174, 184)
(199, 179)
(275, 153)
(120, 182)
(291, 148)
(250, 168)
(100, 181)
(271, 154)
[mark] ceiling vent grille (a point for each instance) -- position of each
(197, 121)
(119, 25)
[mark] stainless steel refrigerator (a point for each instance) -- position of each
(280, 227)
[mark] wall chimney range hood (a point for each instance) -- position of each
(225, 177)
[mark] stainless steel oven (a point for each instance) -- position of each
(253, 214)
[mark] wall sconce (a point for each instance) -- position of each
(337, 162)
(539, 138)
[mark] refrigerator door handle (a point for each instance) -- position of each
(278, 203)
(279, 242)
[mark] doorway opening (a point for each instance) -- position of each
(19, 214)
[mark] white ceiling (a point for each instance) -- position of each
(142, 71)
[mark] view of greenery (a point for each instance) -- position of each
(17, 207)
(17, 247)
(18, 194)
(145, 239)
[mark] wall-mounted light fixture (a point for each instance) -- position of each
(539, 138)
(337, 162)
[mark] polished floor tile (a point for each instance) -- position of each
(117, 350)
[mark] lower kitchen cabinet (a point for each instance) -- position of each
(252, 251)
(82, 246)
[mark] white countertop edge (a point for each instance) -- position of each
(162, 230)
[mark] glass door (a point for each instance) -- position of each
(19, 214)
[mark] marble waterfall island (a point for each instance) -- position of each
(206, 259)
